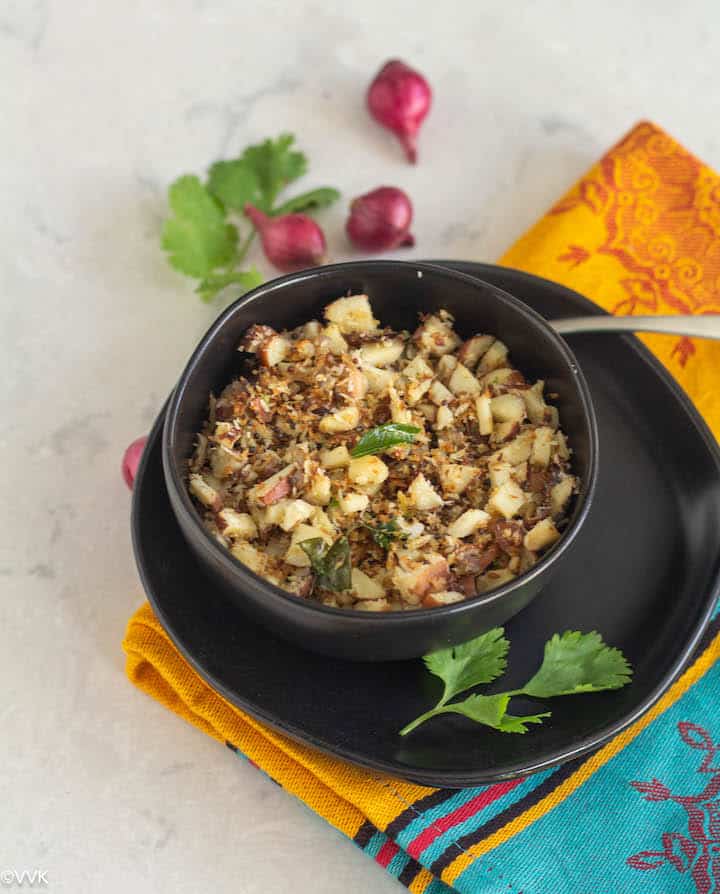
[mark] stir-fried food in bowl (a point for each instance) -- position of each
(377, 470)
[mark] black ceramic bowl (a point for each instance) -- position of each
(398, 291)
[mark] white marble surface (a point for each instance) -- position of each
(101, 105)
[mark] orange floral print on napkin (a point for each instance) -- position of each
(640, 234)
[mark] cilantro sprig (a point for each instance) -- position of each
(383, 436)
(573, 663)
(202, 237)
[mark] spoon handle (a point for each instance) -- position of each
(705, 326)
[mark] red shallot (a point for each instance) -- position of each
(380, 220)
(291, 241)
(131, 460)
(399, 98)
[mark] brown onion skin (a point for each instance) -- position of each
(399, 98)
(290, 242)
(380, 220)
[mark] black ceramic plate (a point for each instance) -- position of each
(644, 573)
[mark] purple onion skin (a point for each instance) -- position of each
(380, 220)
(290, 242)
(399, 98)
(131, 460)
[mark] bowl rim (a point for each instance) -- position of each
(181, 502)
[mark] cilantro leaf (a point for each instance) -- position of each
(479, 661)
(209, 287)
(577, 662)
(331, 566)
(308, 201)
(261, 172)
(487, 709)
(384, 533)
(275, 164)
(197, 238)
(383, 436)
(235, 183)
(512, 724)
(491, 710)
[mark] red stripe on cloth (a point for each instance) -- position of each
(427, 836)
(386, 853)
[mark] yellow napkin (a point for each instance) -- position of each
(640, 233)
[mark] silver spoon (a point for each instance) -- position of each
(706, 326)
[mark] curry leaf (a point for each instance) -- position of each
(385, 532)
(337, 566)
(331, 566)
(315, 548)
(383, 436)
